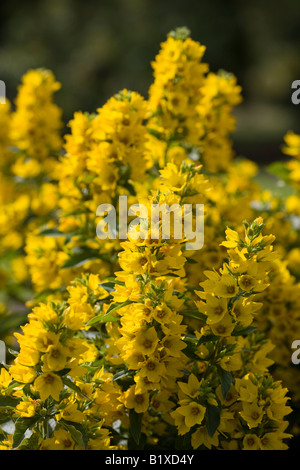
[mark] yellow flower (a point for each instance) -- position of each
(26, 409)
(246, 388)
(174, 180)
(163, 314)
(25, 168)
(22, 374)
(139, 402)
(173, 345)
(226, 287)
(28, 356)
(61, 440)
(43, 339)
(77, 315)
(260, 360)
(277, 411)
(71, 413)
(232, 238)
(251, 442)
(193, 413)
(146, 341)
(252, 414)
(48, 384)
(250, 283)
(273, 441)
(180, 423)
(94, 282)
(191, 388)
(244, 309)
(292, 146)
(43, 312)
(134, 262)
(160, 402)
(78, 294)
(7, 444)
(56, 357)
(223, 327)
(214, 308)
(231, 363)
(5, 378)
(35, 127)
(108, 175)
(201, 437)
(143, 385)
(153, 369)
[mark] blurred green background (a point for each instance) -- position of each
(96, 48)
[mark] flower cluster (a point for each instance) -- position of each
(144, 342)
(30, 145)
(191, 108)
(229, 396)
(52, 386)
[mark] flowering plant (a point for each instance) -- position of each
(143, 342)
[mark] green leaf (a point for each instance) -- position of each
(30, 443)
(116, 306)
(101, 318)
(12, 322)
(108, 316)
(63, 371)
(280, 169)
(212, 418)
(21, 426)
(191, 260)
(11, 386)
(9, 401)
(51, 232)
(77, 432)
(156, 134)
(206, 339)
(123, 373)
(269, 178)
(112, 281)
(135, 420)
(109, 287)
(13, 352)
(244, 331)
(172, 275)
(190, 350)
(193, 313)
(69, 383)
(226, 380)
(78, 259)
(183, 442)
(88, 178)
(180, 295)
(109, 284)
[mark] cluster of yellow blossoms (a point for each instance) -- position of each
(140, 342)
(30, 144)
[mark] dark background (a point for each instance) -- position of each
(96, 48)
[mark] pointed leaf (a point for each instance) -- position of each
(135, 420)
(21, 426)
(226, 380)
(78, 433)
(212, 419)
